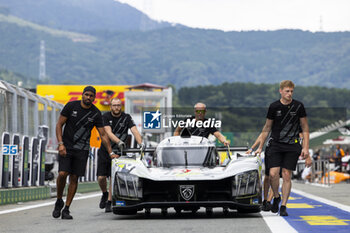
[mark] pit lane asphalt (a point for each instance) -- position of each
(89, 218)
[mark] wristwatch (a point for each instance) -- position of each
(60, 143)
(112, 153)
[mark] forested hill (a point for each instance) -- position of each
(249, 95)
(183, 57)
(170, 55)
(242, 107)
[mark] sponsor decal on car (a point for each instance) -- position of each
(120, 203)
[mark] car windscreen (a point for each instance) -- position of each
(186, 156)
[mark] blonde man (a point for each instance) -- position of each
(284, 118)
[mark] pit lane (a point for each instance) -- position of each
(307, 213)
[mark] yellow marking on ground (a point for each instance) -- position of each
(294, 198)
(299, 206)
(324, 220)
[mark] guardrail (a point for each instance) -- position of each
(318, 173)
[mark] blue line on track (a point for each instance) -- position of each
(321, 218)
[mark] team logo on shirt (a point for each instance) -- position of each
(279, 113)
(152, 120)
(74, 113)
(202, 130)
(90, 119)
(110, 122)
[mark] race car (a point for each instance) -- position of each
(186, 174)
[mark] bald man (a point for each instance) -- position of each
(199, 115)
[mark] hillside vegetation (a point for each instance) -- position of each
(86, 43)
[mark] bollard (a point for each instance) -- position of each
(34, 162)
(5, 168)
(23, 168)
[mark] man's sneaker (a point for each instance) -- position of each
(275, 205)
(58, 207)
(266, 206)
(283, 211)
(103, 200)
(108, 207)
(66, 214)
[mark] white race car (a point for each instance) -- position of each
(186, 173)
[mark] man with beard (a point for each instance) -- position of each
(116, 124)
(199, 111)
(78, 117)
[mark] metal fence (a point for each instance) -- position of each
(319, 172)
(27, 121)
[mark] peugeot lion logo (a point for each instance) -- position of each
(186, 191)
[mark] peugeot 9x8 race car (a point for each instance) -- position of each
(185, 174)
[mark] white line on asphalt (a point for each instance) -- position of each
(277, 223)
(45, 204)
(323, 200)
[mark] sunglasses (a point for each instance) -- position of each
(200, 111)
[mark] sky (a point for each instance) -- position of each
(243, 15)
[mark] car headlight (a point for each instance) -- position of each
(245, 183)
(127, 185)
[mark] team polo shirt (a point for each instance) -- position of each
(286, 121)
(80, 121)
(119, 126)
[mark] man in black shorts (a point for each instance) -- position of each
(116, 124)
(78, 118)
(284, 119)
(199, 111)
(266, 205)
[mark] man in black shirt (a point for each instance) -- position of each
(78, 119)
(116, 124)
(284, 119)
(199, 111)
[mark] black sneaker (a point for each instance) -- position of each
(66, 214)
(275, 205)
(58, 207)
(103, 200)
(283, 211)
(108, 207)
(266, 206)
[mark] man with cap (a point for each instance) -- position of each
(78, 117)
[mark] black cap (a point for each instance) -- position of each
(90, 88)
